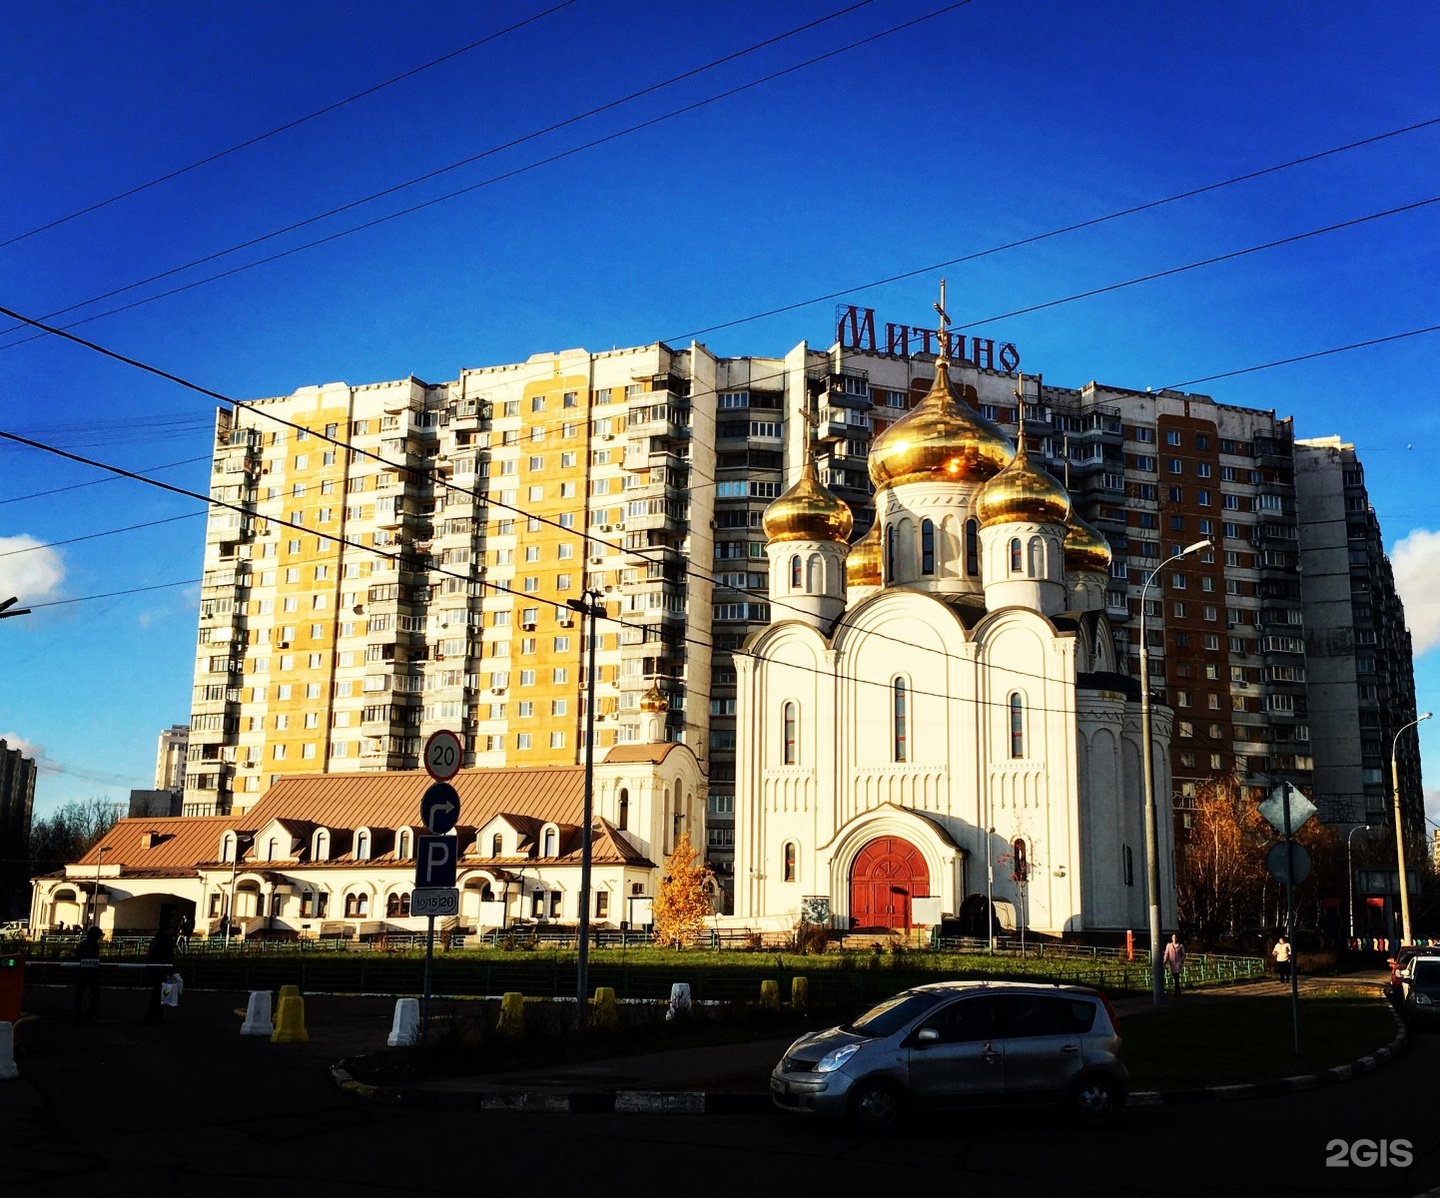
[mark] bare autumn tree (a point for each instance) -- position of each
(1220, 862)
(682, 903)
(68, 833)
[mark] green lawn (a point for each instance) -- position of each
(1252, 1039)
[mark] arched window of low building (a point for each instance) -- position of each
(791, 857)
(550, 843)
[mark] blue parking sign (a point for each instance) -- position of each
(435, 861)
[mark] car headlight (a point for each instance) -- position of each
(832, 1061)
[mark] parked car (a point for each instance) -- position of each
(1395, 991)
(1420, 1002)
(952, 1044)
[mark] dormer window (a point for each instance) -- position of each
(497, 845)
(320, 851)
(402, 845)
(550, 841)
(362, 846)
(228, 845)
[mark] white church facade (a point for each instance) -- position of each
(935, 723)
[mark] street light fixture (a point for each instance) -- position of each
(95, 898)
(1400, 827)
(1350, 863)
(589, 606)
(1152, 825)
(6, 606)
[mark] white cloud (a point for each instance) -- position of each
(1416, 560)
(28, 748)
(30, 573)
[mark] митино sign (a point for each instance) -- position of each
(855, 329)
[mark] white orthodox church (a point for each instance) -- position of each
(936, 712)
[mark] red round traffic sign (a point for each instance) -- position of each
(442, 755)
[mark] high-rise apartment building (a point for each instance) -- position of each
(170, 754)
(17, 801)
(395, 558)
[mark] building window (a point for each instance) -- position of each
(1017, 726)
(1016, 563)
(362, 846)
(1128, 865)
(791, 866)
(795, 572)
(927, 547)
(623, 815)
(898, 720)
(788, 719)
(602, 904)
(497, 845)
(972, 548)
(549, 842)
(890, 554)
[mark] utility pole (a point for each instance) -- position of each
(592, 609)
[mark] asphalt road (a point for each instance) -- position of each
(193, 1108)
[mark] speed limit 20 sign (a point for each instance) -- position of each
(442, 756)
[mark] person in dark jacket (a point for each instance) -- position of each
(161, 960)
(87, 976)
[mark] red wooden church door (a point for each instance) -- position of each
(887, 874)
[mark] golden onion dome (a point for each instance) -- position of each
(941, 439)
(1085, 547)
(862, 563)
(808, 512)
(654, 699)
(1021, 492)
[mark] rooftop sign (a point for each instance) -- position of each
(855, 329)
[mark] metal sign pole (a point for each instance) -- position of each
(425, 1000)
(1290, 920)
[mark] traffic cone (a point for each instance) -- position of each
(259, 1017)
(7, 1052)
(290, 1027)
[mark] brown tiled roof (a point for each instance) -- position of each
(392, 800)
(183, 840)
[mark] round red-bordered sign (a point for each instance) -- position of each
(443, 752)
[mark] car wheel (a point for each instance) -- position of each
(1096, 1099)
(876, 1106)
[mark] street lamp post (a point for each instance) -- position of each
(95, 898)
(1152, 821)
(1400, 826)
(1350, 863)
(589, 607)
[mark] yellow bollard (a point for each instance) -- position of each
(512, 1014)
(770, 994)
(290, 1023)
(799, 993)
(605, 1012)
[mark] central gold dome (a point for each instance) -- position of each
(941, 439)
(808, 512)
(654, 699)
(1022, 493)
(862, 563)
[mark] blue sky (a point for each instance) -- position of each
(984, 124)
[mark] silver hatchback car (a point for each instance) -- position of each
(956, 1044)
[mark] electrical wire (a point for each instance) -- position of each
(472, 159)
(286, 127)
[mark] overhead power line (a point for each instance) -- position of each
(286, 127)
(474, 158)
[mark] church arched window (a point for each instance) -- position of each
(794, 571)
(927, 547)
(1017, 726)
(791, 855)
(972, 548)
(787, 719)
(814, 578)
(623, 814)
(890, 538)
(1037, 558)
(899, 720)
(1016, 564)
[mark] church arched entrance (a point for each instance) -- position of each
(888, 873)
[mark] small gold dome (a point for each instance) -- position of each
(654, 699)
(1021, 492)
(808, 512)
(1085, 547)
(862, 563)
(941, 439)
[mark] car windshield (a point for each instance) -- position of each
(895, 1013)
(1426, 973)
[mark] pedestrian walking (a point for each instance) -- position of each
(87, 976)
(1281, 953)
(1175, 961)
(160, 959)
